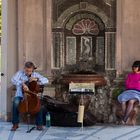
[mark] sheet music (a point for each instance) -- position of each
(82, 87)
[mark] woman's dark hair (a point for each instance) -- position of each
(136, 64)
(29, 65)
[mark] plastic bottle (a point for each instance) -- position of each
(48, 120)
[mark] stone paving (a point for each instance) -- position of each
(98, 132)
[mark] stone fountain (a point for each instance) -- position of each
(83, 72)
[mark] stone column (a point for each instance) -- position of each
(110, 39)
(119, 38)
(49, 58)
(110, 50)
(21, 39)
(58, 50)
(4, 42)
(31, 33)
(9, 55)
(35, 34)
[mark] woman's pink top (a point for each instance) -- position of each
(133, 81)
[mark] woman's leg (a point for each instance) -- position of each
(123, 108)
(129, 109)
(133, 113)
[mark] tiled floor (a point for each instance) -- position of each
(98, 132)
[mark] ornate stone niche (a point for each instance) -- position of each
(81, 41)
(84, 49)
(86, 33)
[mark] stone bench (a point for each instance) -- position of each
(116, 106)
(117, 111)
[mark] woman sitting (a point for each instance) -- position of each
(131, 95)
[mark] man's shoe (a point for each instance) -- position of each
(14, 127)
(39, 127)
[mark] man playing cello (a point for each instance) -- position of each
(19, 80)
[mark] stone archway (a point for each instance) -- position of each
(86, 30)
(75, 8)
(63, 22)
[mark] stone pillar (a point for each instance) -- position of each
(31, 33)
(35, 34)
(110, 50)
(49, 58)
(58, 50)
(9, 55)
(110, 39)
(119, 38)
(21, 40)
(4, 42)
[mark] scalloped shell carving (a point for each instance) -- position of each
(85, 26)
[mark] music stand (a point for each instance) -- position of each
(82, 89)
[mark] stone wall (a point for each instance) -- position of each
(33, 42)
(128, 42)
(131, 32)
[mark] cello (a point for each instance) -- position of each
(31, 102)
